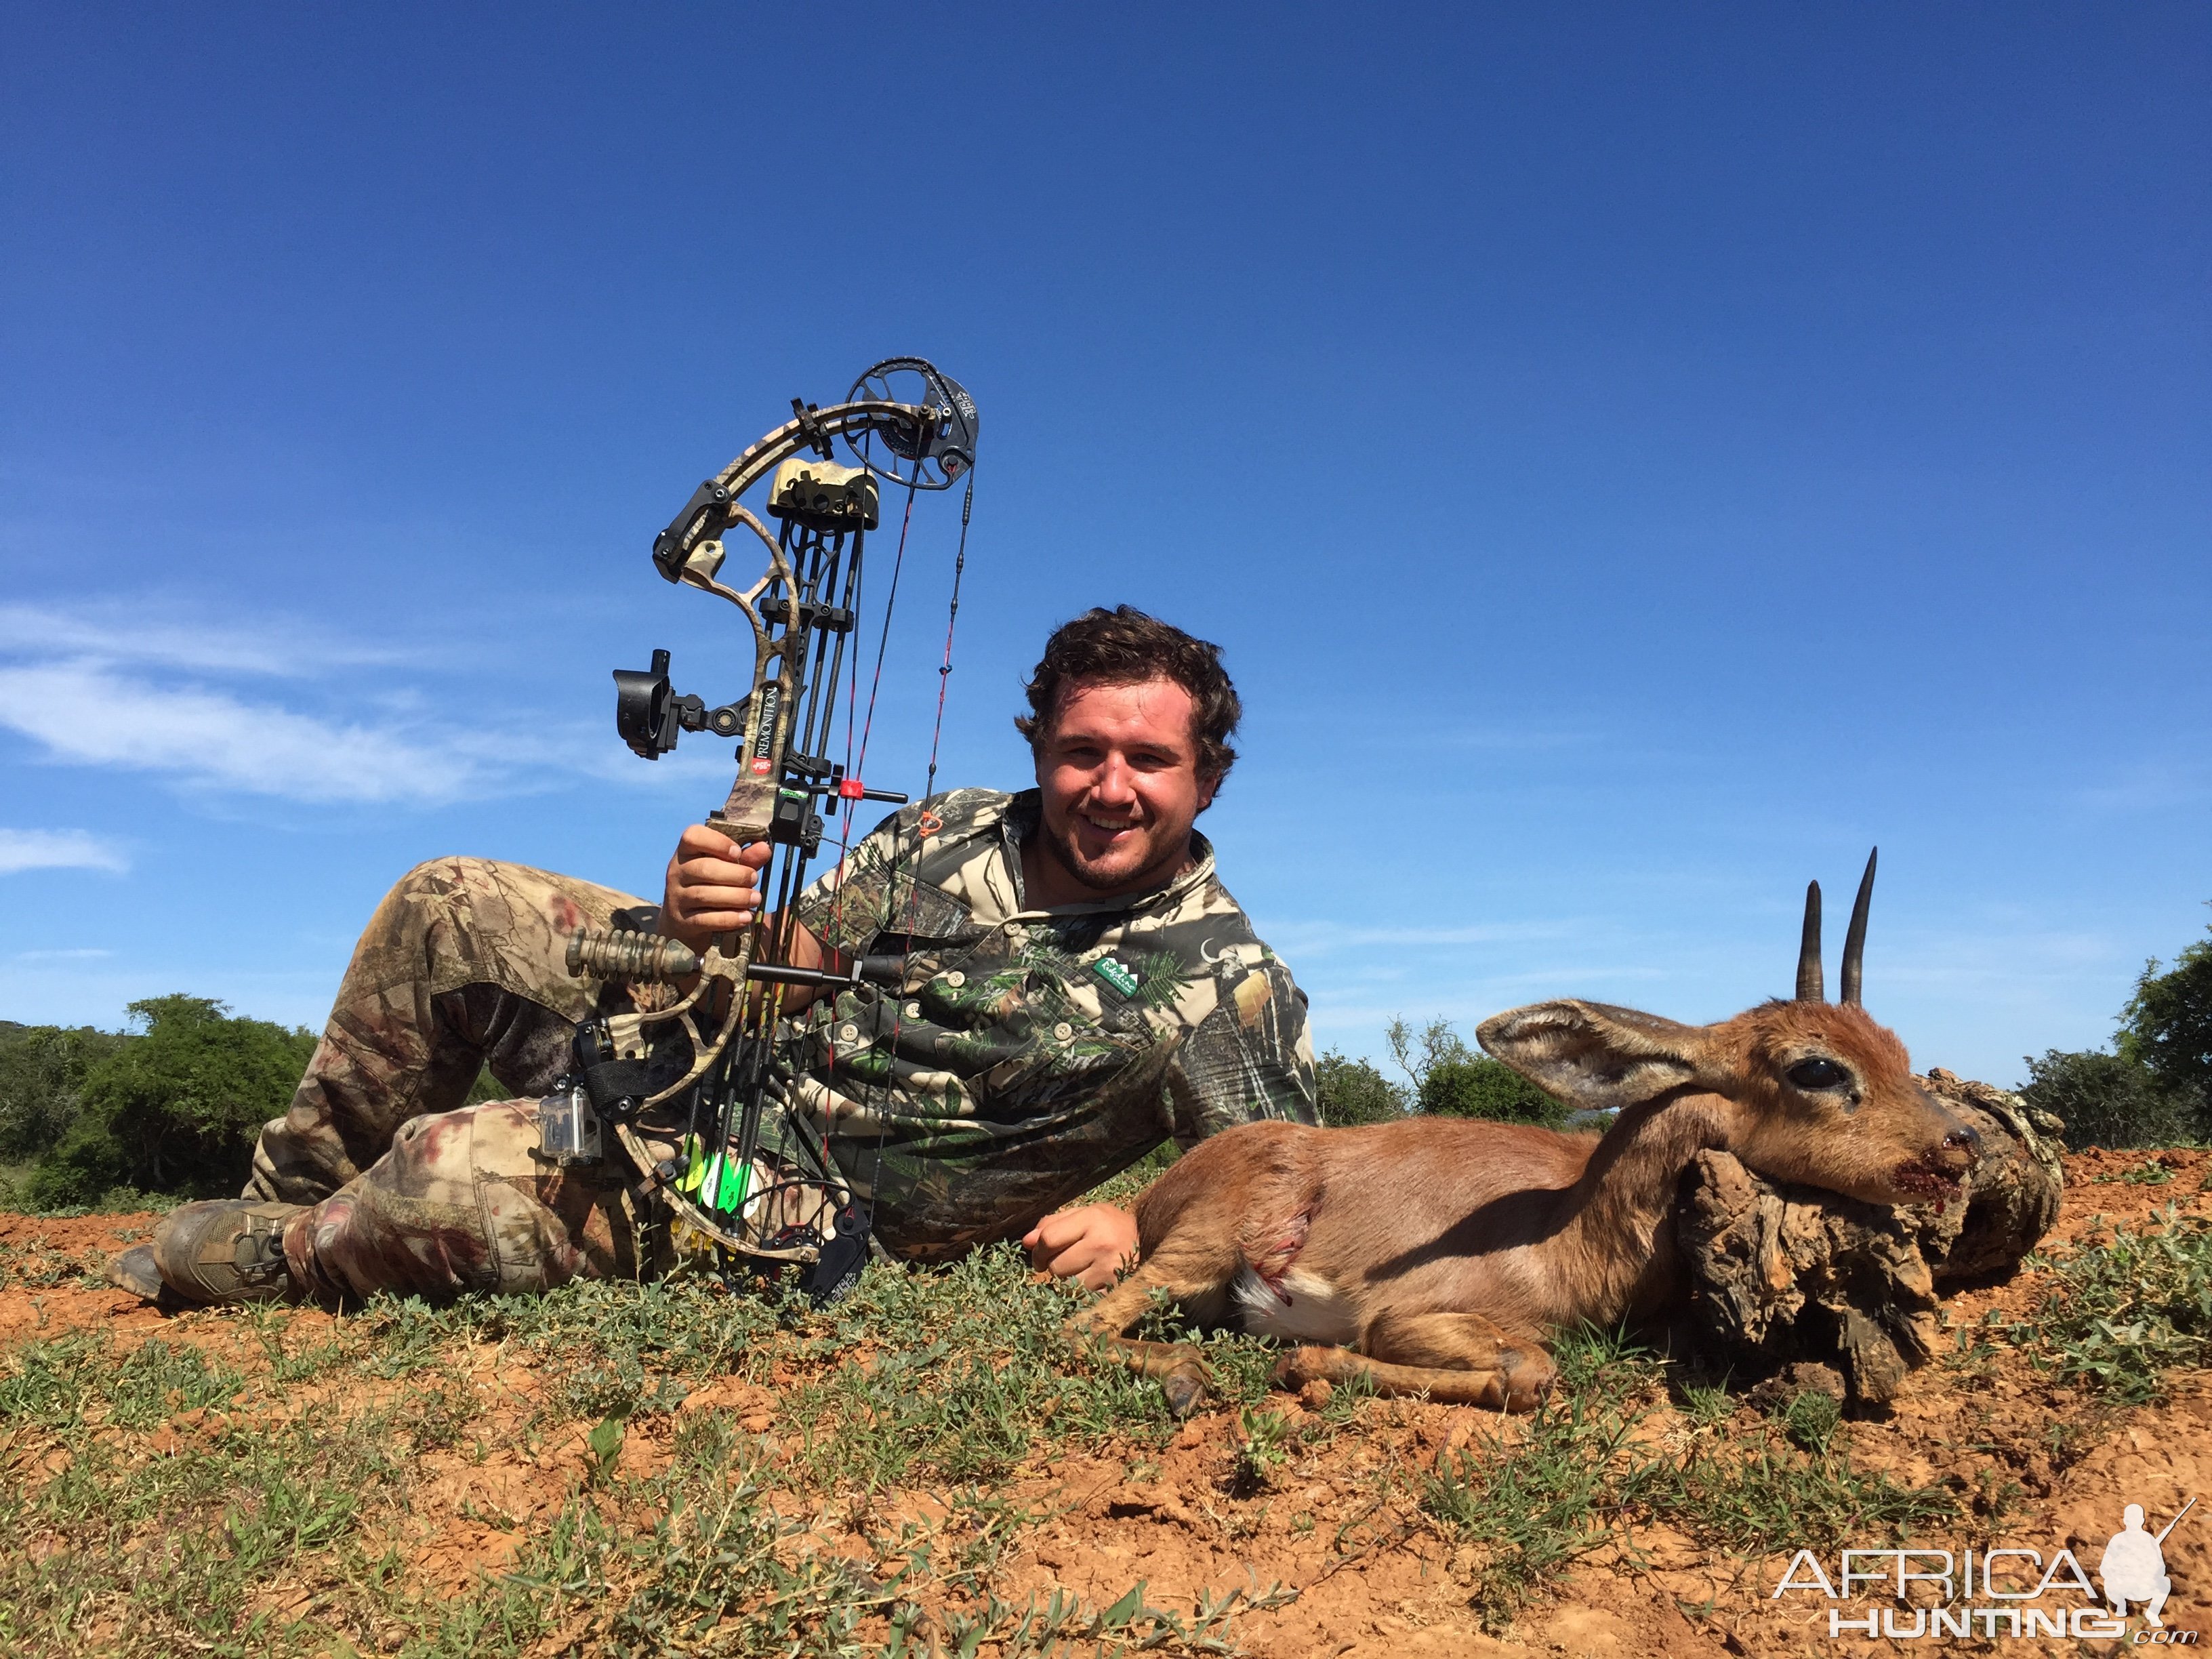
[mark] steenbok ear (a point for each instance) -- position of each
(1599, 1057)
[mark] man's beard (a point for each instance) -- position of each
(1158, 873)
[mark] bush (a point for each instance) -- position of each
(2108, 1100)
(2119, 1313)
(1451, 1079)
(42, 1073)
(2166, 1027)
(176, 1108)
(1352, 1092)
(1485, 1088)
(2157, 1089)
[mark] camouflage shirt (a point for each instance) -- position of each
(1032, 1053)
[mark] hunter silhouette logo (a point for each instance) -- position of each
(2000, 1590)
(2133, 1567)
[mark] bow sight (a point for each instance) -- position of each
(904, 424)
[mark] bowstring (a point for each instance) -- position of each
(921, 828)
(951, 620)
(855, 766)
(922, 817)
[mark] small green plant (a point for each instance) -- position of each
(1810, 1420)
(606, 1443)
(1707, 1407)
(1346, 1401)
(2068, 1439)
(1263, 1445)
(2119, 1314)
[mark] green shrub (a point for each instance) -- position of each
(1451, 1079)
(176, 1108)
(2110, 1100)
(1352, 1092)
(2157, 1089)
(2117, 1314)
(42, 1073)
(2167, 1026)
(1490, 1088)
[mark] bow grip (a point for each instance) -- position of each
(749, 812)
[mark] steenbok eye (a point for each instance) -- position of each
(1817, 1074)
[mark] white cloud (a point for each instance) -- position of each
(56, 849)
(2149, 788)
(271, 710)
(114, 633)
(86, 715)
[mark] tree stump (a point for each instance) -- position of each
(1784, 1275)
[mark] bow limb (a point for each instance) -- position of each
(713, 507)
(693, 1215)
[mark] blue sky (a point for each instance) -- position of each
(1634, 457)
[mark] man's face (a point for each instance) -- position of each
(1121, 785)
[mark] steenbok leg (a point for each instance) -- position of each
(1457, 1358)
(1101, 1328)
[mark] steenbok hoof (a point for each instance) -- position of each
(1185, 1389)
(1524, 1377)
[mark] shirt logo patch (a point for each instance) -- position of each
(1116, 975)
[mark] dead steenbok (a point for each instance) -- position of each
(1433, 1254)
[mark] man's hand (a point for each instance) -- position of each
(713, 886)
(1089, 1244)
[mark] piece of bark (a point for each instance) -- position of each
(1784, 1274)
(2012, 1198)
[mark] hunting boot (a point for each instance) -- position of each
(228, 1250)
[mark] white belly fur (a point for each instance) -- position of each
(1308, 1310)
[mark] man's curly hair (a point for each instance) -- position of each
(1125, 647)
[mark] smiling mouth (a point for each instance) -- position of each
(1108, 827)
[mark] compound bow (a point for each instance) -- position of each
(803, 610)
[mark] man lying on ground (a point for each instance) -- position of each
(1092, 990)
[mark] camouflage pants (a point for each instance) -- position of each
(459, 1204)
(462, 967)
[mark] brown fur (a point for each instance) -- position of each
(1444, 1249)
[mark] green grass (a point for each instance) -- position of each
(2117, 1312)
(1570, 1486)
(180, 1507)
(1580, 1478)
(246, 1484)
(1763, 1493)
